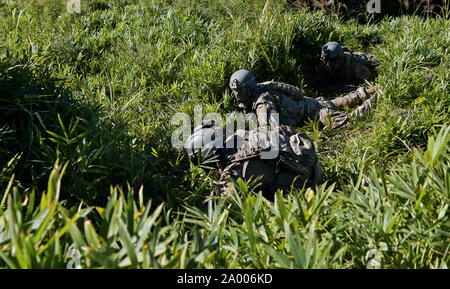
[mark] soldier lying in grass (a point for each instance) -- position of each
(289, 160)
(341, 70)
(293, 107)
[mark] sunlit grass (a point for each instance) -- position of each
(87, 168)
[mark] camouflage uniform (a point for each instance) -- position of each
(295, 164)
(294, 108)
(355, 68)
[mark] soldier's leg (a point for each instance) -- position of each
(354, 98)
(365, 107)
(327, 112)
(330, 115)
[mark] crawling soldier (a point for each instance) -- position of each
(249, 155)
(293, 107)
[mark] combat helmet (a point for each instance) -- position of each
(332, 50)
(206, 139)
(242, 78)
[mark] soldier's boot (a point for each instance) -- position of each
(363, 109)
(371, 90)
(334, 118)
(354, 98)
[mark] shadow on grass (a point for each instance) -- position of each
(41, 121)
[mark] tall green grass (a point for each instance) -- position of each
(385, 220)
(87, 169)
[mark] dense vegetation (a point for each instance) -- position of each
(358, 8)
(87, 168)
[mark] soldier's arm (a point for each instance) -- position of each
(372, 61)
(320, 79)
(367, 59)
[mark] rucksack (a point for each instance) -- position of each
(296, 154)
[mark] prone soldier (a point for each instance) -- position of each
(241, 155)
(341, 70)
(293, 107)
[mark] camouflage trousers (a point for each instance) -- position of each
(267, 175)
(331, 111)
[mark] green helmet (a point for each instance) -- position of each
(242, 78)
(332, 50)
(206, 139)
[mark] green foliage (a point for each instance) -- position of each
(395, 220)
(358, 8)
(98, 98)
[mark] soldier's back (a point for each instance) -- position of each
(293, 107)
(295, 162)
